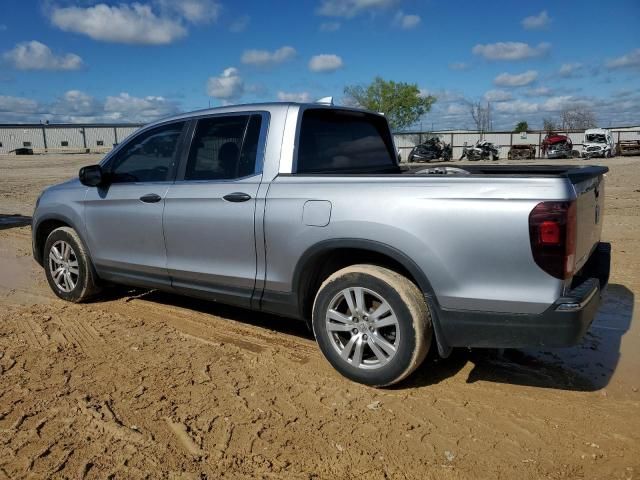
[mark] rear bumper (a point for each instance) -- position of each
(563, 324)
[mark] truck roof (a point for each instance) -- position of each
(248, 107)
(596, 131)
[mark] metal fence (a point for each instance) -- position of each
(102, 137)
(405, 141)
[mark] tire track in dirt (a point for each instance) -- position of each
(57, 331)
(209, 328)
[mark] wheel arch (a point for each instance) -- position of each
(43, 228)
(328, 256)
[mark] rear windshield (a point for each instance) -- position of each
(339, 141)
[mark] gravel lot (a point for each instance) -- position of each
(151, 385)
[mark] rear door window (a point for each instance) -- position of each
(224, 148)
(343, 141)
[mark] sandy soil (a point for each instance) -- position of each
(150, 385)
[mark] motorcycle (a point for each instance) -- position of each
(482, 150)
(432, 149)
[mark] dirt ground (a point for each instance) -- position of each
(150, 385)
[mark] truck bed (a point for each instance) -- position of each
(575, 173)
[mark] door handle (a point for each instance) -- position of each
(151, 198)
(237, 197)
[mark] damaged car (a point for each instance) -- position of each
(557, 146)
(522, 152)
(598, 142)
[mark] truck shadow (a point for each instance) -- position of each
(226, 312)
(13, 221)
(585, 367)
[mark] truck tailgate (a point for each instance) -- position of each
(589, 211)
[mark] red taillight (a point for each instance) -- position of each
(549, 233)
(552, 232)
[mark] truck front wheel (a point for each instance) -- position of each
(68, 268)
(372, 324)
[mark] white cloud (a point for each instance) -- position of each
(518, 80)
(229, 85)
(240, 24)
(75, 106)
(265, 58)
(194, 11)
(569, 70)
(301, 97)
(538, 92)
(125, 107)
(459, 66)
(497, 95)
(510, 50)
(537, 22)
(406, 21)
(329, 26)
(629, 60)
(34, 55)
(351, 8)
(516, 106)
(555, 104)
(325, 63)
(134, 24)
(457, 109)
(17, 105)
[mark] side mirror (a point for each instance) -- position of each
(91, 176)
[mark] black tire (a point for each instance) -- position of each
(412, 332)
(86, 284)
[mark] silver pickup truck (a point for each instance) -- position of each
(304, 211)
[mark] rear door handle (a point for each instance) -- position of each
(150, 198)
(237, 197)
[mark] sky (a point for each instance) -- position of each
(136, 61)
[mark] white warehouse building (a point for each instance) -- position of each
(63, 137)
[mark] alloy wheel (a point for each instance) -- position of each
(63, 266)
(363, 328)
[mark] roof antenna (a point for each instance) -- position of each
(325, 100)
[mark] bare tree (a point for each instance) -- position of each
(577, 118)
(481, 114)
(548, 125)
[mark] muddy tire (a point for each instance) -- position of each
(68, 267)
(372, 324)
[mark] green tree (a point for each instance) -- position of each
(521, 127)
(402, 103)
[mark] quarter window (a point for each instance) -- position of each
(224, 148)
(149, 157)
(343, 141)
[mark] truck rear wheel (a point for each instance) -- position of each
(372, 324)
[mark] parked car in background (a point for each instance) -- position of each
(303, 210)
(555, 145)
(523, 151)
(432, 149)
(598, 142)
